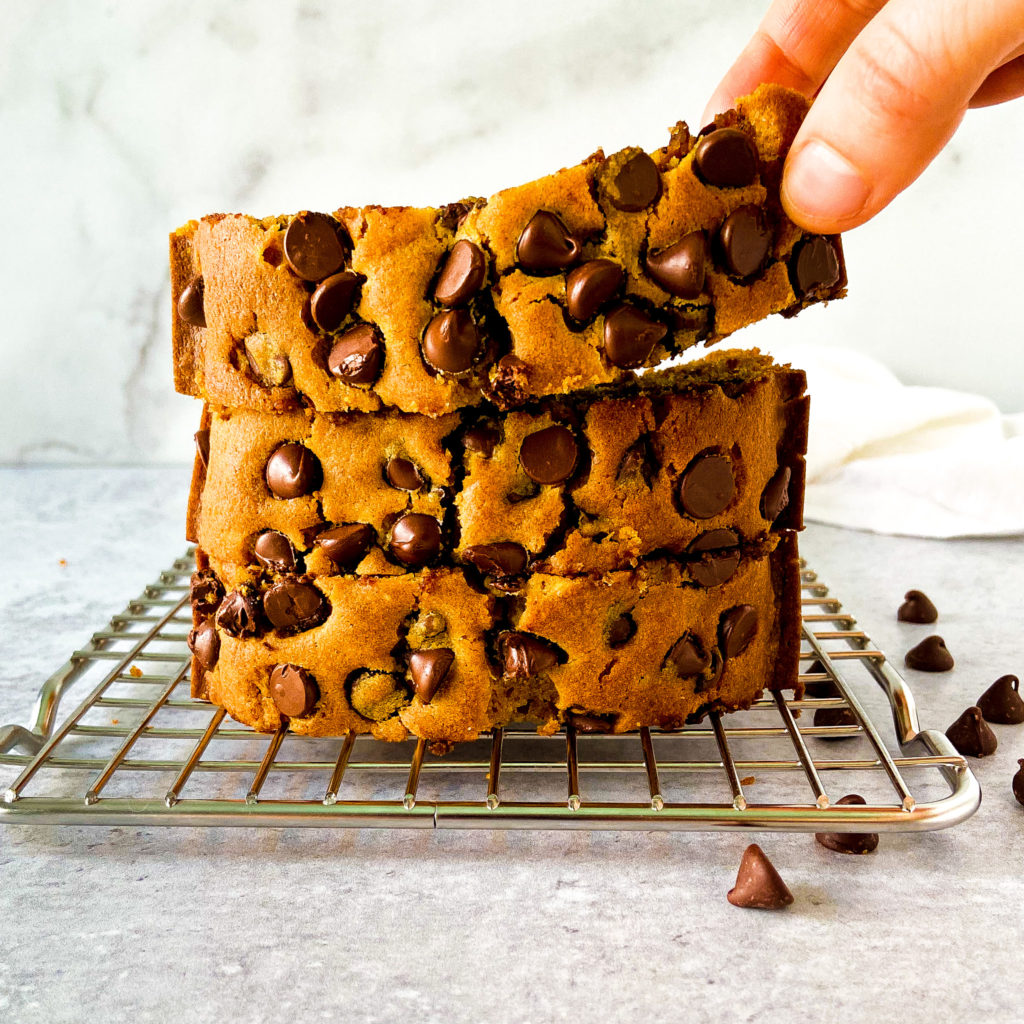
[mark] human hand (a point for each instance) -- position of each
(895, 78)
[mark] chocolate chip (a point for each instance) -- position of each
(313, 247)
(590, 286)
(848, 842)
(621, 630)
(744, 240)
(204, 643)
(416, 539)
(481, 438)
(346, 545)
(293, 690)
(525, 656)
(971, 735)
(679, 269)
(814, 266)
(378, 696)
(190, 302)
(1018, 783)
(1002, 702)
(274, 551)
(930, 655)
(357, 355)
(546, 246)
(821, 688)
(687, 656)
(714, 540)
(758, 884)
(707, 486)
(917, 608)
(715, 568)
(638, 461)
(587, 721)
(630, 336)
(205, 591)
(727, 158)
(293, 471)
(549, 456)
(293, 606)
(775, 497)
(202, 439)
(335, 299)
(462, 274)
(832, 718)
(451, 341)
(237, 615)
(429, 669)
(736, 629)
(404, 475)
(502, 559)
(714, 675)
(636, 185)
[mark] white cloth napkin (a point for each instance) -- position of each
(920, 461)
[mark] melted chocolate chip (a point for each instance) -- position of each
(451, 341)
(202, 439)
(707, 486)
(462, 274)
(590, 286)
(312, 246)
(334, 299)
(205, 591)
(687, 656)
(621, 630)
(549, 456)
(346, 545)
(814, 266)
(917, 607)
(274, 551)
(293, 606)
(743, 241)
(204, 643)
(736, 629)
(416, 539)
(428, 670)
(190, 302)
(525, 656)
(404, 475)
(357, 355)
(971, 735)
(758, 884)
(726, 157)
(679, 269)
(638, 461)
(1002, 702)
(293, 690)
(930, 655)
(546, 246)
(636, 185)
(848, 842)
(775, 497)
(482, 438)
(501, 559)
(293, 471)
(588, 722)
(237, 615)
(630, 336)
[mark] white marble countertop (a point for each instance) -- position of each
(139, 924)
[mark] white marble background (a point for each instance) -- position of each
(118, 121)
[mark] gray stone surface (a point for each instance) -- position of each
(143, 924)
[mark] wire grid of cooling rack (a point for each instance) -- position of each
(140, 749)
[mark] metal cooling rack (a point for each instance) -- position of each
(139, 749)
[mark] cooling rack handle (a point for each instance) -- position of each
(48, 699)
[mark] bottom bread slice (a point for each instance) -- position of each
(435, 655)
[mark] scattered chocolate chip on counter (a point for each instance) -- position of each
(930, 655)
(848, 842)
(1018, 783)
(758, 885)
(917, 607)
(1002, 702)
(830, 718)
(971, 735)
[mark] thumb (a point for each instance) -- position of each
(890, 105)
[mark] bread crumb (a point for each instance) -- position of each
(63, 563)
(748, 781)
(135, 672)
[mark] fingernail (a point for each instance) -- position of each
(821, 184)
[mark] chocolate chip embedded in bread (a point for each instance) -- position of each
(312, 246)
(680, 268)
(346, 545)
(416, 539)
(720, 557)
(377, 696)
(237, 615)
(294, 606)
(639, 461)
(630, 336)
(589, 722)
(502, 559)
(736, 629)
(524, 656)
(726, 158)
(190, 302)
(462, 275)
(357, 355)
(481, 438)
(917, 607)
(775, 497)
(971, 735)
(758, 885)
(743, 241)
(293, 690)
(404, 475)
(274, 551)
(621, 630)
(930, 655)
(204, 643)
(707, 486)
(334, 299)
(549, 456)
(636, 182)
(687, 656)
(205, 591)
(848, 842)
(813, 266)
(429, 669)
(546, 245)
(293, 471)
(590, 285)
(451, 341)
(1002, 702)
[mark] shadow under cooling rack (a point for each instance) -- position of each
(140, 749)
